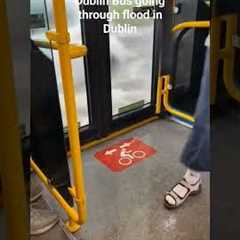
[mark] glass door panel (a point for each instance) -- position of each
(131, 63)
(43, 10)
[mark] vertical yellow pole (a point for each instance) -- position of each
(159, 95)
(63, 39)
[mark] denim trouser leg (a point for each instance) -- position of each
(196, 152)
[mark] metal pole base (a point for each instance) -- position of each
(72, 226)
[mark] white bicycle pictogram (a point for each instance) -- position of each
(127, 156)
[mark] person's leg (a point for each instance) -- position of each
(196, 152)
(195, 155)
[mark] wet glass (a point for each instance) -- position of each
(131, 62)
(42, 17)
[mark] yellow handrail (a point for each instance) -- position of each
(159, 96)
(191, 24)
(165, 82)
(61, 40)
(70, 211)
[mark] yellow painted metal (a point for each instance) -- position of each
(75, 50)
(60, 39)
(166, 84)
(72, 226)
(45, 44)
(71, 212)
(159, 96)
(164, 81)
(191, 24)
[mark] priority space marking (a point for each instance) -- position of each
(124, 154)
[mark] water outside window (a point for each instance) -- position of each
(42, 17)
(131, 63)
(130, 53)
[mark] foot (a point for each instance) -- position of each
(190, 185)
(42, 221)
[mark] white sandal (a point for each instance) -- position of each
(190, 190)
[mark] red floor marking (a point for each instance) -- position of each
(124, 154)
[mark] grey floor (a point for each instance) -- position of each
(128, 205)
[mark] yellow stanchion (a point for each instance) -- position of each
(159, 96)
(60, 40)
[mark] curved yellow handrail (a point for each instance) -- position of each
(166, 82)
(60, 39)
(191, 24)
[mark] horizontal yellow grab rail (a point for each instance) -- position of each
(166, 83)
(75, 50)
(191, 24)
(45, 44)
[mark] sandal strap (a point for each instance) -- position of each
(174, 196)
(185, 185)
(191, 185)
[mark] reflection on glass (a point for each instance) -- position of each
(42, 20)
(131, 63)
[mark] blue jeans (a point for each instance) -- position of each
(196, 152)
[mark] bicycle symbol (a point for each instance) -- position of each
(127, 157)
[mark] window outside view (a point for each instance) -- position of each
(130, 53)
